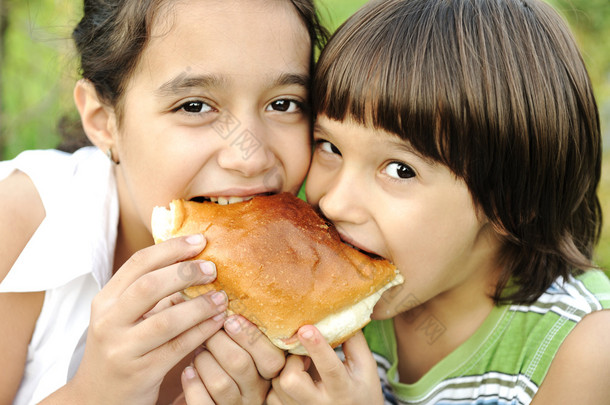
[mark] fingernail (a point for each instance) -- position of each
(307, 334)
(232, 325)
(194, 239)
(208, 268)
(189, 373)
(219, 298)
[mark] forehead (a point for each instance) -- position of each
(232, 38)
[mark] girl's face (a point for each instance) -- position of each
(216, 106)
(388, 200)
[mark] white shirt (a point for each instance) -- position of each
(70, 257)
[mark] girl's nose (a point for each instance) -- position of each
(247, 152)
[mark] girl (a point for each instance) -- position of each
(460, 139)
(190, 99)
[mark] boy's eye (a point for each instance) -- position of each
(284, 105)
(196, 107)
(329, 147)
(399, 170)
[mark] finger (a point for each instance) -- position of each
(221, 387)
(358, 357)
(238, 364)
(276, 397)
(166, 325)
(232, 357)
(268, 358)
(154, 257)
(273, 398)
(294, 382)
(194, 390)
(165, 303)
(171, 352)
(330, 368)
(140, 297)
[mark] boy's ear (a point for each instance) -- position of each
(97, 118)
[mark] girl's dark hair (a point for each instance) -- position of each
(113, 33)
(497, 91)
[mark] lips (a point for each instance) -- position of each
(352, 243)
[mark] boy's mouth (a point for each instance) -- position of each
(369, 254)
(349, 242)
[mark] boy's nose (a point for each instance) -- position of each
(343, 202)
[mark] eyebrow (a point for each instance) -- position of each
(184, 82)
(287, 79)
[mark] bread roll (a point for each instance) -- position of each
(281, 265)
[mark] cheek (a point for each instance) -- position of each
(299, 159)
(430, 237)
(317, 183)
(294, 158)
(156, 172)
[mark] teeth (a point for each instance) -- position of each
(235, 200)
(229, 200)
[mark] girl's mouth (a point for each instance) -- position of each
(226, 200)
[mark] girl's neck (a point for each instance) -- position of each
(132, 234)
(127, 244)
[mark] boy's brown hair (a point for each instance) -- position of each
(497, 91)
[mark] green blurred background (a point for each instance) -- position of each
(38, 70)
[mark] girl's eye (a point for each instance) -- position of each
(399, 170)
(284, 105)
(195, 107)
(328, 147)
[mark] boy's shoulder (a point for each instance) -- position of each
(579, 372)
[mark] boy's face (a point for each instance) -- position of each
(213, 108)
(386, 199)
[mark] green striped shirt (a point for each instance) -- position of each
(506, 359)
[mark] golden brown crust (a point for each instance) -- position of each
(280, 263)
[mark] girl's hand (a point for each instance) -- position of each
(235, 368)
(333, 382)
(137, 334)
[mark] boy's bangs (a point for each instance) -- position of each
(385, 80)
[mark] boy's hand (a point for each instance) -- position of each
(235, 368)
(333, 382)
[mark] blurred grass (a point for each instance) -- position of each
(334, 12)
(39, 70)
(38, 73)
